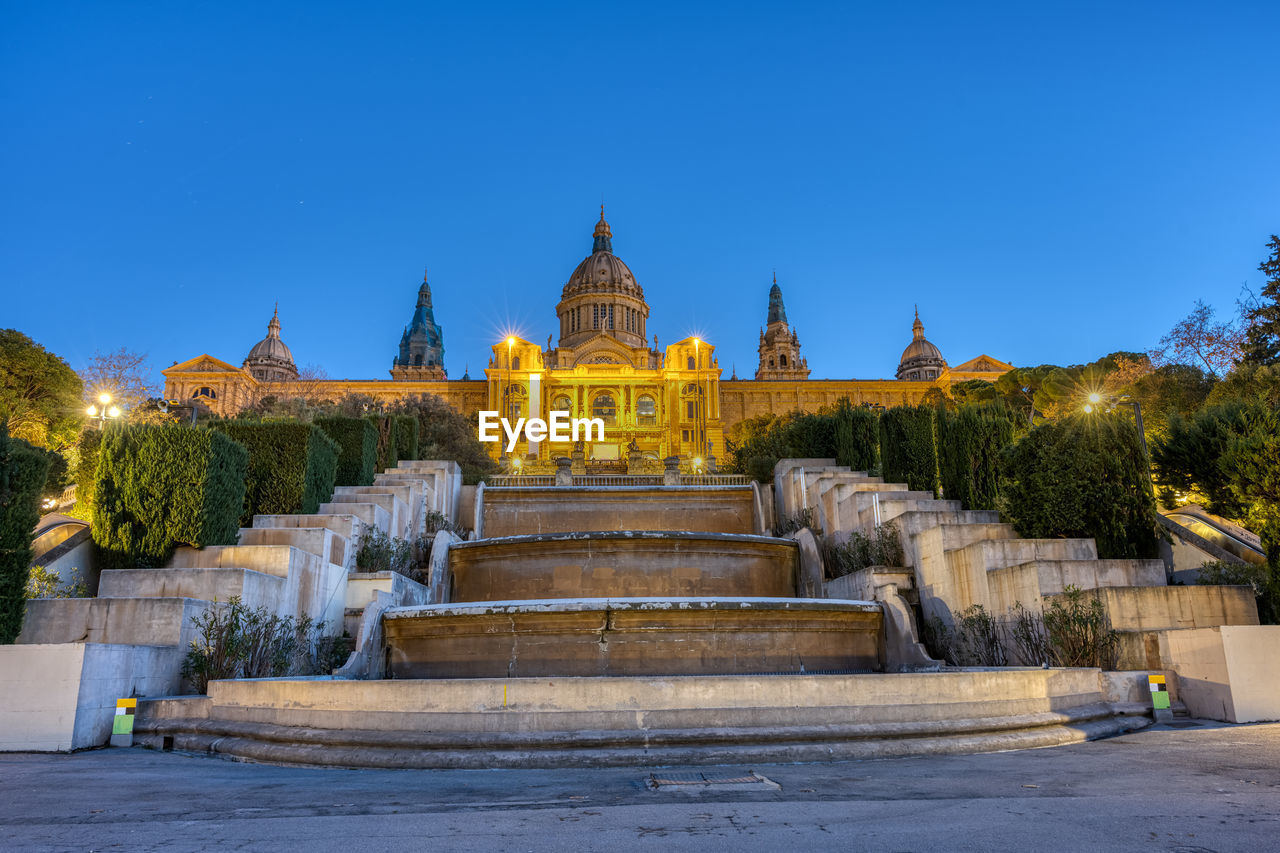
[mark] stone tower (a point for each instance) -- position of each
(270, 360)
(779, 345)
(421, 355)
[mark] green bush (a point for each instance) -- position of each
(971, 441)
(87, 470)
(882, 548)
(406, 437)
(857, 439)
(357, 440)
(292, 466)
(1083, 476)
(388, 441)
(22, 475)
(163, 486)
(235, 641)
(907, 451)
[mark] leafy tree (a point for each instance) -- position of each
(1082, 476)
(1252, 466)
(973, 391)
(1262, 337)
(1200, 340)
(126, 376)
(1188, 458)
(443, 433)
(1172, 389)
(39, 393)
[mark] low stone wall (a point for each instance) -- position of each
(1230, 673)
(59, 697)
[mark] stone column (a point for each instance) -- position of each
(564, 471)
(671, 471)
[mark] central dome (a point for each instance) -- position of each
(602, 296)
(602, 271)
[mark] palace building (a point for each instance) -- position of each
(655, 401)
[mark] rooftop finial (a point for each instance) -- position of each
(424, 275)
(917, 328)
(273, 328)
(602, 235)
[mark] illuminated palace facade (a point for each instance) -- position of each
(655, 402)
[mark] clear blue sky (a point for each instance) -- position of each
(1049, 181)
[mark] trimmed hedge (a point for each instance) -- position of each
(357, 440)
(292, 466)
(1083, 477)
(87, 467)
(971, 442)
(23, 469)
(406, 437)
(857, 442)
(907, 449)
(163, 486)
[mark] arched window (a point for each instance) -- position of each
(782, 360)
(603, 407)
(515, 363)
(206, 392)
(692, 364)
(646, 410)
(771, 364)
(562, 403)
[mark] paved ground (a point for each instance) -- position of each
(1206, 787)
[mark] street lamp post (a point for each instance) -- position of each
(103, 410)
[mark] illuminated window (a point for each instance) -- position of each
(206, 392)
(646, 411)
(604, 407)
(562, 404)
(515, 403)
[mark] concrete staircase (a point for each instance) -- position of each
(963, 557)
(142, 619)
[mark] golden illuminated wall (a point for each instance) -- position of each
(672, 427)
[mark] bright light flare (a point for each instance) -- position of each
(1095, 398)
(92, 411)
(104, 398)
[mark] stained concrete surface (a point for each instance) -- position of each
(1203, 787)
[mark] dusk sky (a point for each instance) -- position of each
(1049, 182)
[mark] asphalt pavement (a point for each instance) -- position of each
(1193, 786)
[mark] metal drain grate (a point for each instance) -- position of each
(695, 781)
(1182, 724)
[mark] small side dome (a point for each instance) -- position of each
(270, 359)
(921, 360)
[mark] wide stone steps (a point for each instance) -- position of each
(515, 722)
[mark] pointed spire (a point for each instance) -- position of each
(917, 328)
(603, 235)
(777, 311)
(273, 327)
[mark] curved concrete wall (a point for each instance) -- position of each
(523, 511)
(633, 637)
(607, 565)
